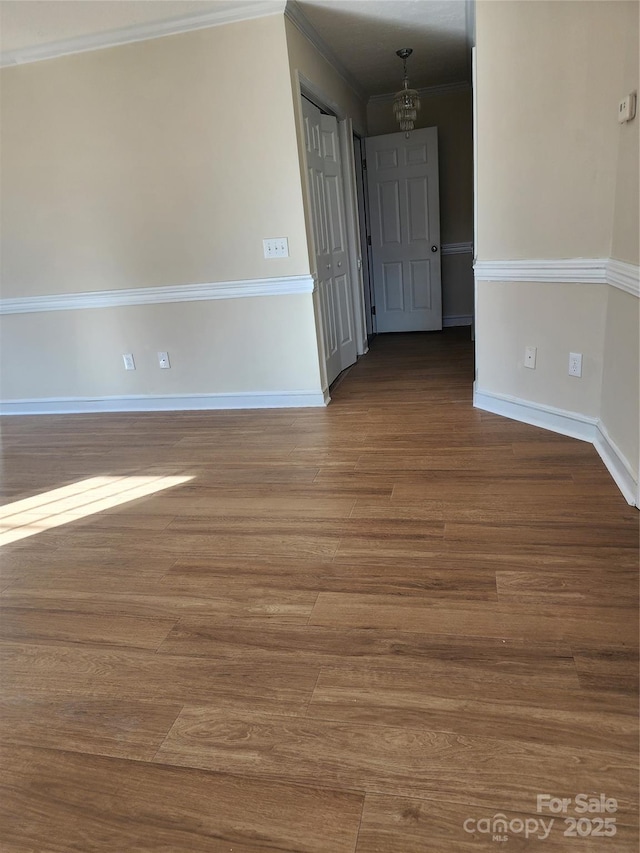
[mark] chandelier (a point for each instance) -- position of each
(407, 102)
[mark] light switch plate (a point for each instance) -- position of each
(276, 247)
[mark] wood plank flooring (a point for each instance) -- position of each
(353, 630)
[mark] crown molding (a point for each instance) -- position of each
(287, 286)
(427, 92)
(299, 19)
(241, 11)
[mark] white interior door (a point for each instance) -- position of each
(405, 230)
(328, 220)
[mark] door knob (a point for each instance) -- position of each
(339, 263)
(328, 266)
(434, 248)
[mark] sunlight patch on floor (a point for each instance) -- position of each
(59, 506)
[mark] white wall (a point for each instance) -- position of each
(138, 166)
(558, 178)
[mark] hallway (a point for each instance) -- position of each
(358, 629)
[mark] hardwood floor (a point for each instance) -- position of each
(365, 629)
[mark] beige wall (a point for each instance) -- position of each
(141, 166)
(621, 376)
(452, 114)
(620, 410)
(513, 315)
(626, 225)
(138, 165)
(79, 353)
(549, 78)
(558, 178)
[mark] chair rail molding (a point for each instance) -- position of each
(153, 295)
(618, 274)
(624, 276)
(579, 270)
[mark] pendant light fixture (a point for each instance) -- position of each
(407, 102)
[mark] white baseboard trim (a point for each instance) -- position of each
(617, 465)
(568, 423)
(457, 320)
(280, 286)
(165, 403)
(562, 421)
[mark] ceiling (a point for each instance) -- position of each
(362, 34)
(365, 34)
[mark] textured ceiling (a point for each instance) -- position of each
(363, 34)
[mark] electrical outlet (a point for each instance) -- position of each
(627, 108)
(575, 364)
(129, 363)
(163, 360)
(276, 247)
(530, 357)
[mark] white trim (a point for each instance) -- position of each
(297, 17)
(165, 403)
(617, 465)
(154, 295)
(619, 274)
(583, 270)
(568, 423)
(426, 92)
(565, 422)
(347, 163)
(624, 276)
(241, 11)
(457, 320)
(457, 248)
(309, 90)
